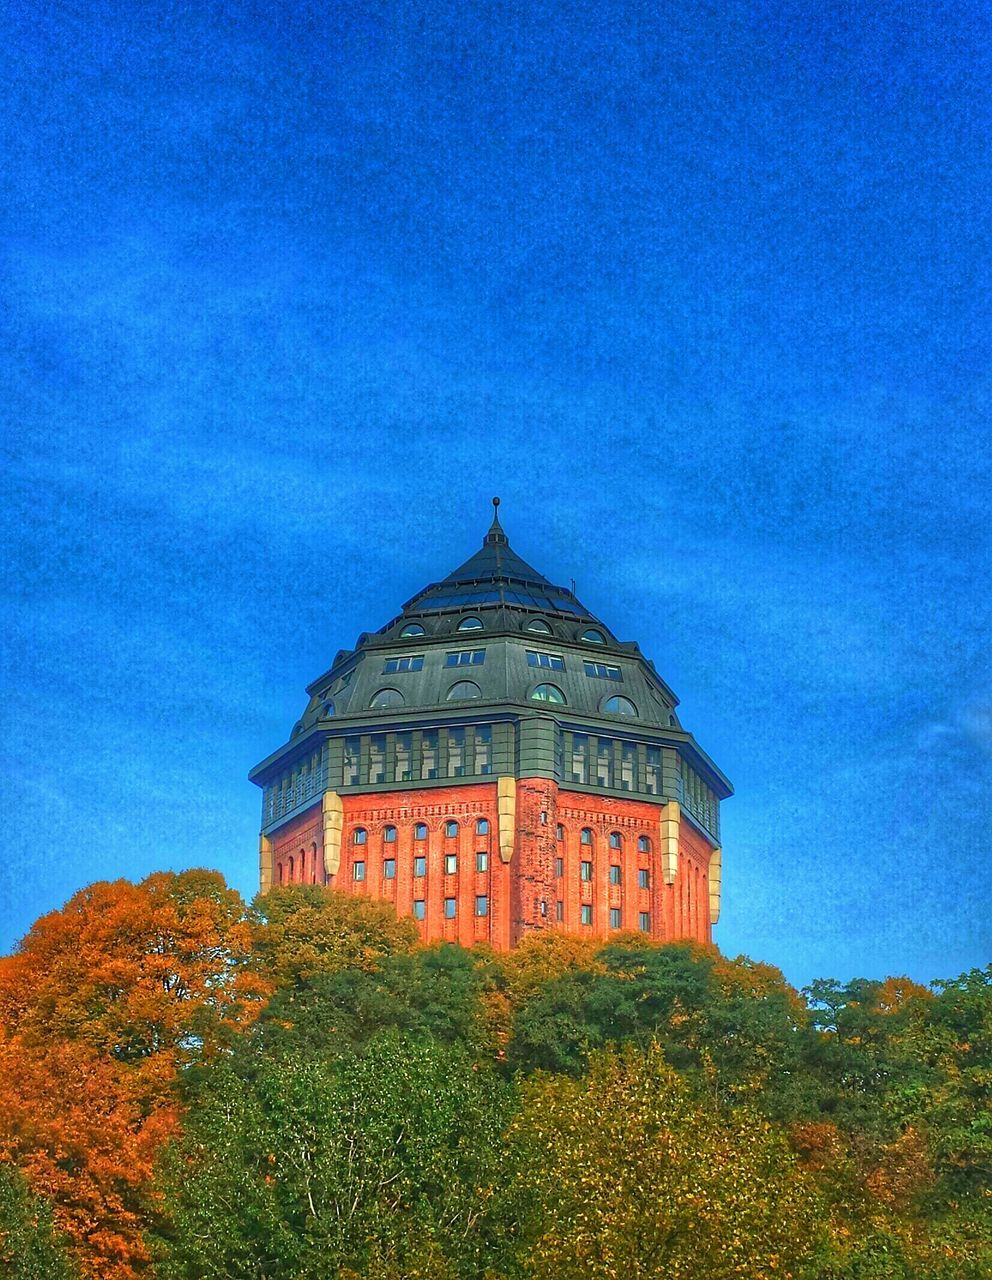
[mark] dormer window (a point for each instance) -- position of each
(464, 689)
(548, 693)
(470, 624)
(601, 670)
(592, 636)
(412, 629)
(538, 624)
(386, 698)
(618, 706)
(327, 709)
(553, 661)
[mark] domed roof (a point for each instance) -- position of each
(494, 578)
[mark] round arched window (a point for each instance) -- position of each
(618, 706)
(538, 624)
(327, 709)
(464, 689)
(470, 624)
(413, 629)
(593, 636)
(548, 693)
(387, 698)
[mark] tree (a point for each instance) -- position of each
(30, 1248)
(101, 1007)
(625, 1173)
(383, 1163)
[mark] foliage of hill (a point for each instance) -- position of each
(193, 1089)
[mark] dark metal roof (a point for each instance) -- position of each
(495, 576)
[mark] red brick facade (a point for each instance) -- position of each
(607, 851)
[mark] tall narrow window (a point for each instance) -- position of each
(604, 762)
(419, 867)
(559, 868)
(389, 869)
(585, 836)
(358, 870)
(643, 844)
(481, 904)
(377, 758)
(456, 753)
(352, 761)
(644, 878)
(628, 767)
(644, 921)
(482, 827)
(482, 862)
(360, 836)
(428, 754)
(451, 828)
(450, 864)
(615, 840)
(580, 758)
(449, 908)
(419, 909)
(653, 776)
(559, 911)
(616, 876)
(483, 748)
(404, 757)
(585, 913)
(585, 871)
(614, 917)
(389, 835)
(420, 831)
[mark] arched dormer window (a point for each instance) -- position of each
(619, 706)
(470, 624)
(464, 689)
(548, 693)
(538, 624)
(412, 629)
(327, 710)
(386, 698)
(593, 636)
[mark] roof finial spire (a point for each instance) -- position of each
(496, 533)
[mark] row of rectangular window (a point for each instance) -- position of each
(419, 866)
(476, 657)
(609, 762)
(616, 916)
(451, 907)
(360, 835)
(616, 873)
(409, 756)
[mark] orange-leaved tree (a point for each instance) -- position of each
(101, 1006)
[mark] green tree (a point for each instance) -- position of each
(384, 1162)
(29, 1246)
(625, 1173)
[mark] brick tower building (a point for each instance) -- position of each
(493, 760)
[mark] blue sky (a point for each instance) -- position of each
(702, 292)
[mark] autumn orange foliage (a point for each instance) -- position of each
(100, 1006)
